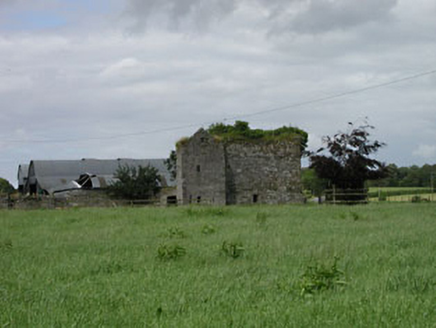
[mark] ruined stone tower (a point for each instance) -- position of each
(211, 170)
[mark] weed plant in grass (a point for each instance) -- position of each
(232, 249)
(170, 252)
(320, 277)
(99, 267)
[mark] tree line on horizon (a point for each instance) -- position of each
(412, 176)
(397, 177)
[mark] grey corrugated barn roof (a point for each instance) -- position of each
(53, 176)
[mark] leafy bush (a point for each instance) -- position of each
(232, 249)
(319, 277)
(6, 187)
(241, 131)
(170, 252)
(135, 183)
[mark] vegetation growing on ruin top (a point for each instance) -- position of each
(242, 131)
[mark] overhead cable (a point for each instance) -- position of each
(241, 116)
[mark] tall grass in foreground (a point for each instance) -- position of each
(365, 266)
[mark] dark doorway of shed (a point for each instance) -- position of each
(32, 189)
(199, 199)
(255, 198)
(172, 200)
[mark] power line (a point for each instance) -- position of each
(118, 136)
(338, 95)
(272, 110)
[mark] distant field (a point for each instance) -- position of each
(410, 198)
(398, 189)
(259, 266)
(400, 194)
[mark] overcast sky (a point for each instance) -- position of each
(128, 78)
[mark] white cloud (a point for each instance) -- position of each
(426, 151)
(244, 56)
(325, 15)
(10, 83)
(301, 16)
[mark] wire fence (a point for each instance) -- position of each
(364, 196)
(332, 196)
(346, 196)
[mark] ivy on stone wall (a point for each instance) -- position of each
(242, 131)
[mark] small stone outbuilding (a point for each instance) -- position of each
(223, 171)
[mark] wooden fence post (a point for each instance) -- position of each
(334, 195)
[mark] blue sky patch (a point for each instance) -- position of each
(34, 20)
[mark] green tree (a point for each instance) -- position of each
(412, 176)
(135, 183)
(311, 182)
(6, 187)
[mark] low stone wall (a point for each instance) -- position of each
(4, 203)
(71, 200)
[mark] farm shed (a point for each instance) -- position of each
(23, 171)
(50, 177)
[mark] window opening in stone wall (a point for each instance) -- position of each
(199, 199)
(172, 200)
(255, 198)
(198, 168)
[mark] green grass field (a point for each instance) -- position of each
(165, 267)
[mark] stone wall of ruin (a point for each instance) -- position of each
(201, 171)
(239, 172)
(263, 172)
